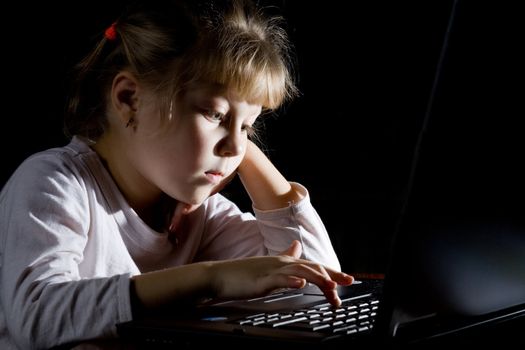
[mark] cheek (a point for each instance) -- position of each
(198, 146)
(234, 162)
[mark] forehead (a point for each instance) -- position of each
(214, 91)
(207, 89)
(221, 98)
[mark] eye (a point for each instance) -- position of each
(214, 116)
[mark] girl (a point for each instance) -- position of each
(126, 218)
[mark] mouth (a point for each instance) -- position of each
(214, 176)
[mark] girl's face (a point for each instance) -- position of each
(203, 143)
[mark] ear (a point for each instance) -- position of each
(125, 95)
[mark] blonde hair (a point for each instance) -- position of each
(171, 44)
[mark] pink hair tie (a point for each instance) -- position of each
(111, 33)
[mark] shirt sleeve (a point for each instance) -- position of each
(229, 233)
(45, 214)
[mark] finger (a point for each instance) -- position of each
(309, 274)
(332, 297)
(338, 276)
(327, 286)
(278, 281)
(317, 267)
(341, 277)
(294, 250)
(295, 282)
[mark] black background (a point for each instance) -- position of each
(365, 71)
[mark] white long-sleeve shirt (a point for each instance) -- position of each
(69, 243)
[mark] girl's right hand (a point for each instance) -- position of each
(258, 276)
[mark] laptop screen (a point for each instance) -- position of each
(459, 247)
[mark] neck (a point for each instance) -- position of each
(158, 216)
(141, 195)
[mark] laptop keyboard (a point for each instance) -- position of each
(356, 314)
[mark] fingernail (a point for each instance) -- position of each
(339, 302)
(298, 283)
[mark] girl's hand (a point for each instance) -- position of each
(258, 276)
(266, 186)
(236, 279)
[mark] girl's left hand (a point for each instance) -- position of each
(257, 276)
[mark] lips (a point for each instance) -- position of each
(215, 172)
(214, 176)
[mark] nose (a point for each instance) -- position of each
(231, 145)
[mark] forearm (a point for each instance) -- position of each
(234, 279)
(266, 186)
(178, 284)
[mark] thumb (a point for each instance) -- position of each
(294, 250)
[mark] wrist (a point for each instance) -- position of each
(137, 309)
(247, 160)
(213, 275)
(187, 284)
(209, 278)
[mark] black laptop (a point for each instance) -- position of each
(457, 267)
